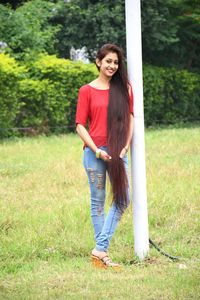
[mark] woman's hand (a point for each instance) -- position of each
(123, 152)
(105, 156)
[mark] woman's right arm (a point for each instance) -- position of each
(82, 113)
(84, 135)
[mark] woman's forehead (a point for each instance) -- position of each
(111, 55)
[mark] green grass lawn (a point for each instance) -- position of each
(45, 229)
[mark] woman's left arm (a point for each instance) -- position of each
(129, 138)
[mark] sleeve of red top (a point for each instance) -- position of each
(131, 100)
(82, 109)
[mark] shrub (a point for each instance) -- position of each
(10, 75)
(153, 86)
(40, 106)
(182, 96)
(170, 95)
(43, 95)
(66, 77)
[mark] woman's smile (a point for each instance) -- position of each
(111, 71)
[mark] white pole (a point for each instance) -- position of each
(134, 58)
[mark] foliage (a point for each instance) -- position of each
(159, 30)
(43, 106)
(65, 78)
(188, 34)
(13, 3)
(49, 98)
(89, 24)
(43, 95)
(153, 95)
(47, 95)
(10, 75)
(170, 96)
(27, 30)
(170, 29)
(181, 23)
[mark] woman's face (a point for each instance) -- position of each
(108, 65)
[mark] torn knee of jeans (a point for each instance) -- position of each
(100, 210)
(100, 181)
(119, 217)
(91, 174)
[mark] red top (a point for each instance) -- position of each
(92, 107)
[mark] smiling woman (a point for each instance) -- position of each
(106, 104)
(108, 64)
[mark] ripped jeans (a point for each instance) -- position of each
(104, 226)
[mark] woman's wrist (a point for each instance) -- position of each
(126, 148)
(98, 153)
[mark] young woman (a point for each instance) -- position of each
(107, 105)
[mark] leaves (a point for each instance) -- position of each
(170, 29)
(27, 29)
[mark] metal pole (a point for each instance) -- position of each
(134, 58)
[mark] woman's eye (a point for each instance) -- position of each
(109, 61)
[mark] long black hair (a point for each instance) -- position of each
(118, 120)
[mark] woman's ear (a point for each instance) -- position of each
(98, 62)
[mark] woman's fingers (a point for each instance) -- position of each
(105, 156)
(122, 153)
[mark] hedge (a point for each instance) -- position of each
(44, 105)
(170, 96)
(43, 95)
(10, 75)
(65, 77)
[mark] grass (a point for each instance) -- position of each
(46, 234)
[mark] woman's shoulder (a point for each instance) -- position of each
(84, 88)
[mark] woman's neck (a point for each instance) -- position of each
(103, 81)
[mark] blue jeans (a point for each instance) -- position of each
(104, 226)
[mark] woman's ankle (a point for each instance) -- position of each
(98, 253)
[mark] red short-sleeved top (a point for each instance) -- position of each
(92, 108)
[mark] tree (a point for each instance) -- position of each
(89, 24)
(159, 30)
(13, 3)
(97, 22)
(26, 30)
(175, 40)
(189, 33)
(170, 29)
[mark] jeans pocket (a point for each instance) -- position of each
(89, 159)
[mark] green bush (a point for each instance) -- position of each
(41, 107)
(43, 95)
(170, 95)
(10, 75)
(65, 77)
(153, 94)
(182, 96)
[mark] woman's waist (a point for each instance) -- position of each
(99, 140)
